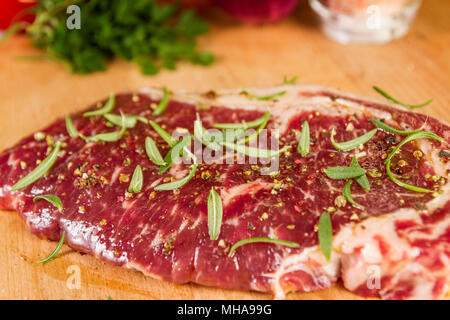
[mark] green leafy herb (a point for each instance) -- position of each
(410, 106)
(264, 240)
(175, 151)
(137, 180)
(107, 108)
(215, 212)
(418, 135)
(109, 136)
(352, 144)
(163, 133)
(39, 171)
(414, 136)
(344, 172)
(304, 142)
(293, 80)
(54, 200)
(244, 124)
(55, 252)
(130, 119)
(255, 134)
(254, 152)
(346, 192)
(264, 98)
(71, 130)
(325, 235)
(402, 184)
(362, 180)
(205, 137)
(231, 135)
(162, 104)
(385, 127)
(152, 152)
(178, 183)
(13, 29)
(152, 34)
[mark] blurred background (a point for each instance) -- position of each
(55, 60)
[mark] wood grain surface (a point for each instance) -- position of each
(34, 93)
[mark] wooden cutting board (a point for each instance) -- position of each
(34, 93)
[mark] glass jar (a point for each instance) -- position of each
(365, 21)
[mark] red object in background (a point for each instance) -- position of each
(10, 9)
(257, 11)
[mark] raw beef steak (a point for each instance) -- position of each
(396, 246)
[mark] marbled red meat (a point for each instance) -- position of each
(164, 234)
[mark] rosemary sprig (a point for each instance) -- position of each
(409, 106)
(39, 171)
(264, 240)
(107, 108)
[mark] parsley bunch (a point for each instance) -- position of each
(151, 34)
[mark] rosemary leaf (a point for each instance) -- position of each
(409, 106)
(304, 142)
(55, 252)
(71, 130)
(215, 212)
(352, 144)
(385, 127)
(178, 183)
(263, 240)
(344, 172)
(107, 108)
(162, 104)
(163, 133)
(346, 192)
(325, 234)
(137, 180)
(152, 152)
(39, 171)
(54, 200)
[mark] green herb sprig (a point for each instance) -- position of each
(292, 80)
(352, 144)
(418, 135)
(340, 172)
(130, 119)
(244, 124)
(54, 200)
(325, 234)
(55, 252)
(178, 183)
(163, 133)
(264, 240)
(107, 108)
(304, 142)
(70, 127)
(255, 152)
(254, 135)
(385, 127)
(264, 98)
(162, 104)
(137, 180)
(152, 34)
(346, 192)
(39, 171)
(362, 180)
(409, 106)
(175, 151)
(109, 136)
(215, 212)
(152, 152)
